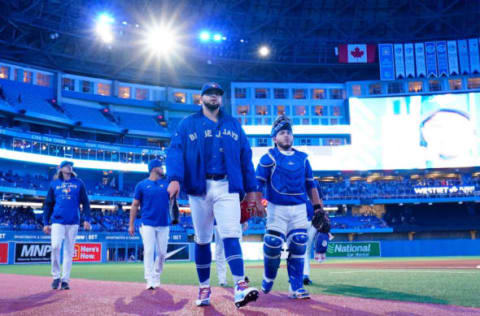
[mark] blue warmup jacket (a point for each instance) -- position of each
(62, 204)
(186, 156)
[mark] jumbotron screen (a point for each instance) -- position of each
(429, 131)
(405, 132)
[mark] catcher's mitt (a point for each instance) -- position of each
(321, 221)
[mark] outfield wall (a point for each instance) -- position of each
(34, 247)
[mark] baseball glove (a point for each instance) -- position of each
(248, 209)
(321, 221)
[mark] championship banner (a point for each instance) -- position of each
(87, 252)
(452, 58)
(431, 59)
(463, 57)
(32, 252)
(420, 60)
(409, 60)
(474, 58)
(442, 58)
(399, 62)
(353, 249)
(3, 253)
(385, 55)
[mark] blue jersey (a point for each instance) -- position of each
(154, 202)
(214, 156)
(286, 178)
(186, 155)
(62, 205)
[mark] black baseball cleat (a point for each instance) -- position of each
(244, 294)
(65, 286)
(55, 284)
(307, 281)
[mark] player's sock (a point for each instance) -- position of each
(233, 254)
(203, 260)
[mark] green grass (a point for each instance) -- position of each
(457, 287)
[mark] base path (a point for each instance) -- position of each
(31, 295)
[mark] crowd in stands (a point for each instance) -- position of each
(357, 222)
(41, 182)
(342, 190)
(18, 218)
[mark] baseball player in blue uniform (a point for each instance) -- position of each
(286, 176)
(153, 199)
(62, 210)
(210, 158)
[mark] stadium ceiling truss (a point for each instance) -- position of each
(302, 35)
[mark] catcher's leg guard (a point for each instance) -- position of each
(297, 245)
(272, 249)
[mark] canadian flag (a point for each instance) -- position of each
(356, 53)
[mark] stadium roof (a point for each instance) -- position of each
(302, 36)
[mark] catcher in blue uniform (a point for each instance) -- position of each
(285, 175)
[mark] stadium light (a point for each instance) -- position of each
(103, 27)
(264, 51)
(217, 37)
(161, 40)
(204, 36)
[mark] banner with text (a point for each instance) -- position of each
(87, 252)
(32, 252)
(452, 58)
(385, 56)
(354, 249)
(3, 252)
(420, 60)
(466, 189)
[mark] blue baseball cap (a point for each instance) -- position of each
(282, 122)
(212, 86)
(65, 163)
(154, 164)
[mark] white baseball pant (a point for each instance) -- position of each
(285, 218)
(311, 231)
(220, 260)
(217, 204)
(60, 233)
(155, 243)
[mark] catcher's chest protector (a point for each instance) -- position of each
(288, 174)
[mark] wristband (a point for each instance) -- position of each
(317, 207)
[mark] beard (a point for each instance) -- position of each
(284, 147)
(211, 106)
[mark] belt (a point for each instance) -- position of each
(215, 177)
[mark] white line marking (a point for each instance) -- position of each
(407, 271)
